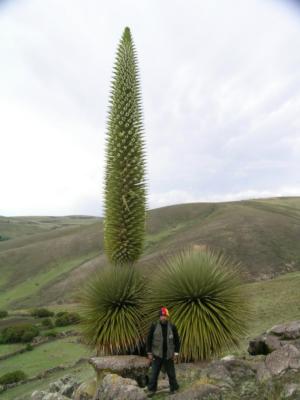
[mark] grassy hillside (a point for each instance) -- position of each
(269, 309)
(15, 227)
(45, 260)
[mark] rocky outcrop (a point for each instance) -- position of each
(114, 387)
(273, 373)
(282, 359)
(275, 338)
(133, 367)
(61, 389)
(86, 391)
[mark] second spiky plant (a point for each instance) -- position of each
(203, 292)
(125, 190)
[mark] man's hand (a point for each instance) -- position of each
(175, 357)
(150, 356)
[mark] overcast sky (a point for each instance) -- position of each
(221, 98)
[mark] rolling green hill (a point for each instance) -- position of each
(46, 258)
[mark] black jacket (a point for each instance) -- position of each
(164, 332)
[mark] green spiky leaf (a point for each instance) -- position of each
(203, 293)
(125, 189)
(111, 309)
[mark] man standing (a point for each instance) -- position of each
(162, 347)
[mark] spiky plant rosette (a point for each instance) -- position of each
(125, 188)
(203, 293)
(111, 310)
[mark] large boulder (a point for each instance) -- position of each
(275, 338)
(114, 387)
(264, 344)
(280, 360)
(218, 373)
(133, 367)
(287, 331)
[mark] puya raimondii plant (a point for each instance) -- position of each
(206, 300)
(111, 309)
(125, 188)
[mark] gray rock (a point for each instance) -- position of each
(290, 390)
(114, 387)
(275, 338)
(264, 344)
(54, 396)
(55, 387)
(262, 373)
(218, 372)
(280, 360)
(290, 330)
(230, 357)
(272, 343)
(68, 389)
(190, 371)
(39, 340)
(65, 386)
(67, 379)
(199, 392)
(133, 367)
(38, 395)
(240, 370)
(86, 391)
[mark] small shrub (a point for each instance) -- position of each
(74, 318)
(49, 333)
(60, 313)
(42, 313)
(12, 377)
(67, 319)
(3, 314)
(22, 333)
(3, 238)
(28, 347)
(47, 323)
(28, 335)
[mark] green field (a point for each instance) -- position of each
(63, 351)
(82, 373)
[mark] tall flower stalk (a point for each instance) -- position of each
(125, 188)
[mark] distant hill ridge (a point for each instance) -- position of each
(46, 258)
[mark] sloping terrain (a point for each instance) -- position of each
(45, 262)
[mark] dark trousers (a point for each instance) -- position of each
(157, 363)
